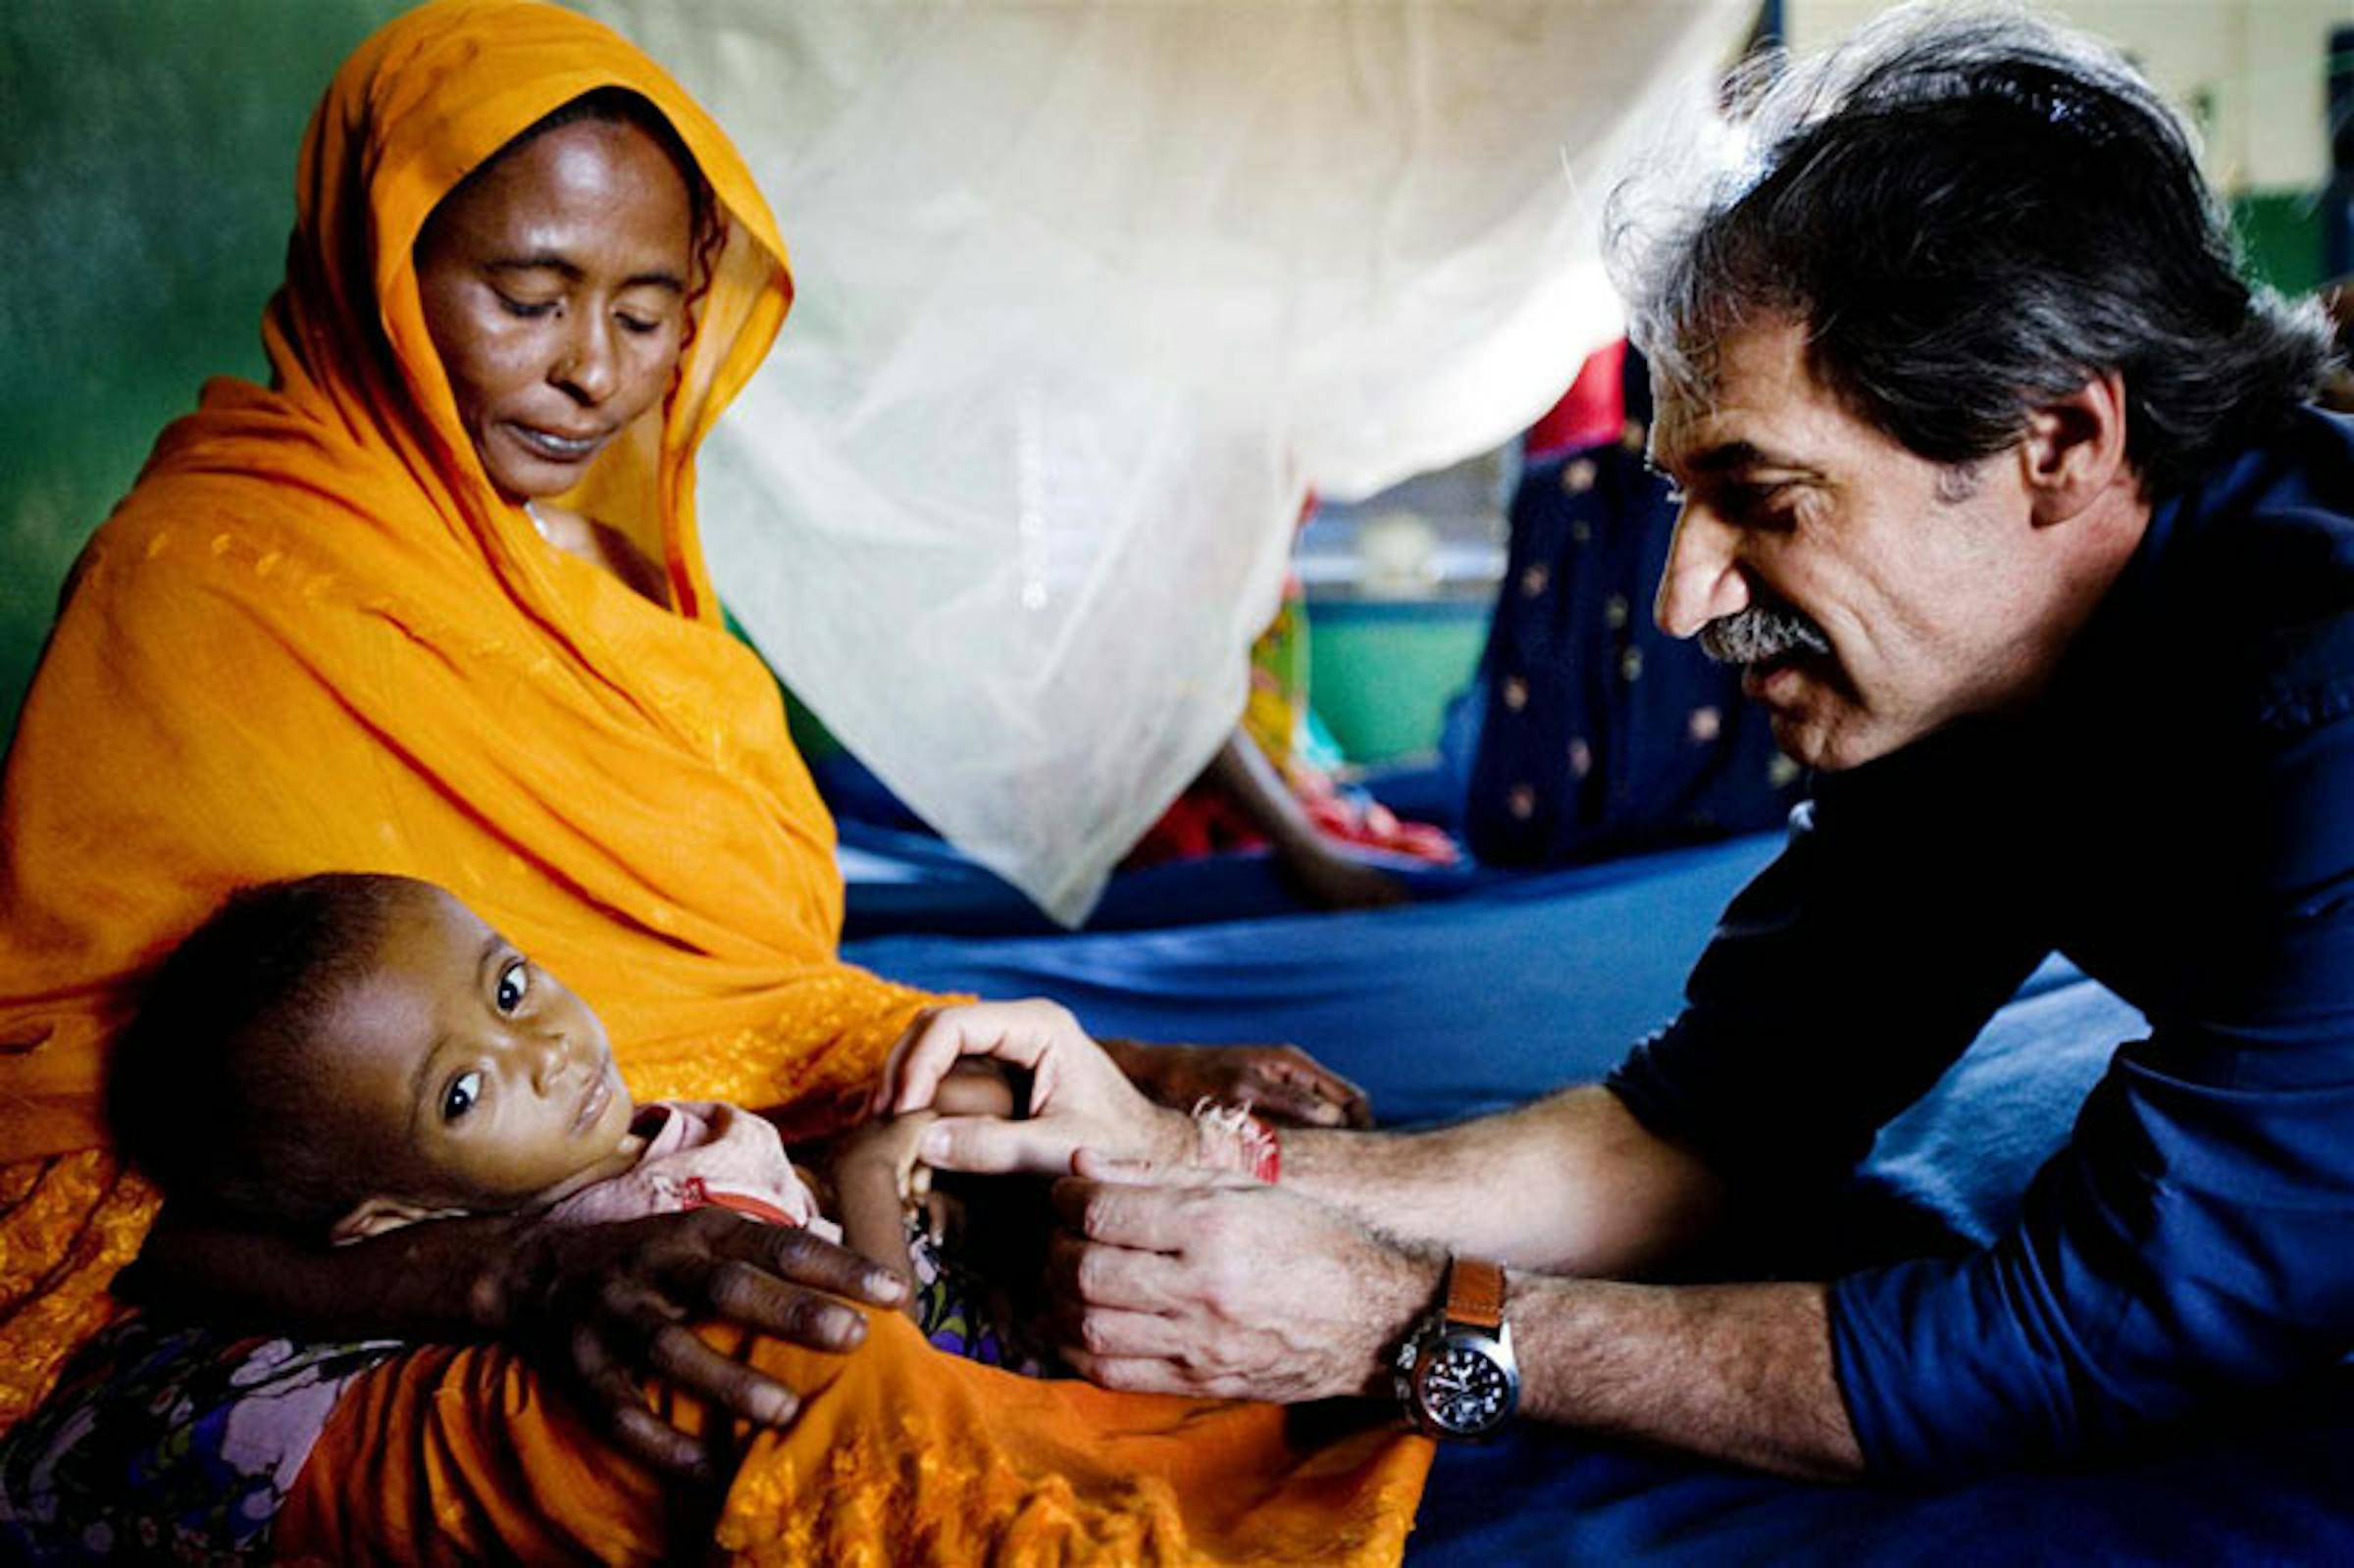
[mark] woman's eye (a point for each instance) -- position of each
(514, 984)
(638, 325)
(527, 308)
(460, 1097)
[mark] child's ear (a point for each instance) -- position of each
(374, 1216)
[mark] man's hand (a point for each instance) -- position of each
(1079, 1099)
(1215, 1285)
(1280, 1082)
(605, 1304)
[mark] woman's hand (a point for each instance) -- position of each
(1079, 1099)
(605, 1304)
(599, 1306)
(1280, 1082)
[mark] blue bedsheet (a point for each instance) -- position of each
(906, 881)
(1512, 986)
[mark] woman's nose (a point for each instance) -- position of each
(1703, 580)
(588, 366)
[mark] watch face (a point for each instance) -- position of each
(1462, 1387)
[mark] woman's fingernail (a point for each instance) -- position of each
(884, 1286)
(935, 1145)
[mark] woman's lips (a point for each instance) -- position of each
(555, 446)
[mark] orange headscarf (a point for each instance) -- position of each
(315, 636)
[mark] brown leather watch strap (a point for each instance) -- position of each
(1475, 1293)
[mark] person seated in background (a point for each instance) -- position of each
(1598, 735)
(1275, 784)
(341, 1055)
(2003, 489)
(1267, 788)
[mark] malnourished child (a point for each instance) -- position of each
(346, 1053)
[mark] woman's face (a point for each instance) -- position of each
(555, 288)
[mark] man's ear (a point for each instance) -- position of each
(374, 1216)
(2074, 448)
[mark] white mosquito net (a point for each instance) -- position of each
(1089, 294)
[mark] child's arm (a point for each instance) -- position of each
(878, 1180)
(873, 1173)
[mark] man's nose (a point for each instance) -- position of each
(1703, 580)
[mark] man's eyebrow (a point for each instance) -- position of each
(570, 270)
(1737, 457)
(1730, 457)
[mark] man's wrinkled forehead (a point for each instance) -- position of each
(1693, 434)
(1750, 402)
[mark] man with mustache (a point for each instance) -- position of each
(2000, 485)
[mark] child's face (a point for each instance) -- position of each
(487, 1084)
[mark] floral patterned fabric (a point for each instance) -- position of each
(164, 1442)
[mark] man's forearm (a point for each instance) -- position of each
(1570, 1184)
(1736, 1372)
(1574, 1184)
(1272, 1293)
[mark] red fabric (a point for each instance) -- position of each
(1593, 411)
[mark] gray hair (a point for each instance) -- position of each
(1971, 212)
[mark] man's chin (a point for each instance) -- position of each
(1819, 743)
(1808, 736)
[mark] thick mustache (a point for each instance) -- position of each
(1761, 633)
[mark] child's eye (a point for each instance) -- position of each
(464, 1091)
(514, 984)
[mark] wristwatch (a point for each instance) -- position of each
(1455, 1374)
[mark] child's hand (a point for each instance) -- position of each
(888, 1145)
(876, 1174)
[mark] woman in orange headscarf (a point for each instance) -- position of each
(433, 603)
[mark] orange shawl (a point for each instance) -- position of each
(314, 636)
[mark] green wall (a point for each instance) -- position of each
(146, 178)
(2281, 232)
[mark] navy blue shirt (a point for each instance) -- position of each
(2177, 816)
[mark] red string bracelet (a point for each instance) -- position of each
(1264, 1148)
(1231, 1138)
